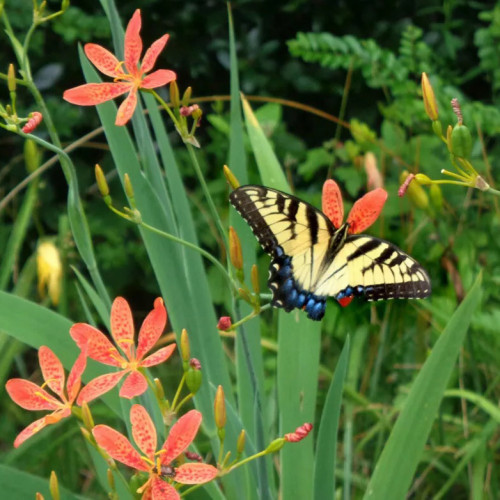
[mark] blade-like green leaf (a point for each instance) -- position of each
(326, 440)
(401, 454)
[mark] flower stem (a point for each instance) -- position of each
(178, 392)
(183, 402)
(493, 191)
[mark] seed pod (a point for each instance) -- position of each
(461, 141)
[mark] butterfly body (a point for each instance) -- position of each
(311, 259)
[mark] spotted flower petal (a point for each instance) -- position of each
(99, 386)
(30, 396)
(29, 431)
(118, 447)
(91, 94)
(158, 78)
(133, 42)
(333, 207)
(75, 376)
(135, 385)
(195, 473)
(126, 109)
(103, 59)
(152, 328)
(143, 430)
(149, 59)
(52, 370)
(181, 435)
(99, 347)
(122, 325)
(159, 356)
(161, 490)
(366, 210)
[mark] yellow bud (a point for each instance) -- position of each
(240, 443)
(231, 178)
(54, 486)
(423, 179)
(245, 295)
(174, 94)
(129, 190)
(185, 349)
(100, 178)
(275, 445)
(416, 192)
(449, 130)
(86, 434)
(220, 408)
(87, 416)
(255, 279)
(235, 249)
(32, 155)
(362, 133)
(64, 5)
(39, 496)
(187, 96)
(49, 269)
(160, 393)
(111, 479)
(436, 196)
(429, 99)
(11, 78)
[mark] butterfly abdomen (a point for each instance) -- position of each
(286, 292)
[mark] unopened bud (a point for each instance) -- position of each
(160, 392)
(243, 293)
(186, 97)
(449, 130)
(34, 120)
(39, 496)
(299, 434)
(240, 443)
(11, 78)
(102, 183)
(64, 5)
(224, 323)
(54, 486)
(235, 249)
(87, 416)
(32, 155)
(111, 479)
(231, 178)
(374, 177)
(275, 445)
(185, 349)
(191, 455)
(129, 190)
(423, 179)
(429, 99)
(254, 275)
(461, 141)
(220, 408)
(86, 434)
(194, 376)
(436, 196)
(174, 94)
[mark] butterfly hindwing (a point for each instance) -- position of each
(312, 260)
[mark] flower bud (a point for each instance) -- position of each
(185, 349)
(254, 275)
(436, 196)
(38, 495)
(416, 192)
(220, 408)
(191, 455)
(437, 128)
(224, 323)
(111, 479)
(11, 78)
(193, 376)
(231, 178)
(240, 443)
(362, 133)
(374, 177)
(423, 179)
(87, 416)
(299, 434)
(187, 96)
(174, 94)
(32, 155)
(235, 249)
(49, 269)
(64, 5)
(449, 130)
(35, 119)
(429, 99)
(129, 190)
(243, 293)
(160, 392)
(100, 178)
(461, 141)
(54, 486)
(275, 445)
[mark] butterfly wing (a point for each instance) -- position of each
(375, 269)
(296, 235)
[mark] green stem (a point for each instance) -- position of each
(183, 402)
(493, 191)
(178, 392)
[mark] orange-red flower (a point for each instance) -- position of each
(128, 75)
(133, 359)
(362, 215)
(158, 464)
(33, 397)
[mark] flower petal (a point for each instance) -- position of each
(332, 205)
(31, 430)
(30, 396)
(126, 109)
(103, 59)
(90, 94)
(122, 325)
(366, 210)
(158, 78)
(152, 328)
(181, 435)
(159, 356)
(135, 385)
(52, 370)
(118, 447)
(75, 375)
(143, 430)
(133, 43)
(98, 386)
(161, 490)
(99, 347)
(195, 473)
(149, 59)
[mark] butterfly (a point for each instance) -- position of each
(314, 255)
